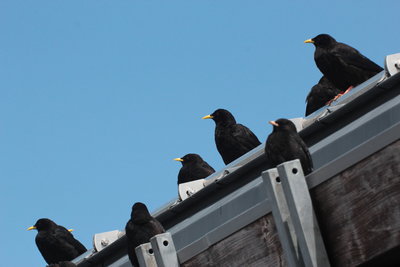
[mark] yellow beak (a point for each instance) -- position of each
(33, 228)
(178, 159)
(273, 123)
(207, 117)
(309, 41)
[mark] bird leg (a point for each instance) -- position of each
(347, 90)
(339, 95)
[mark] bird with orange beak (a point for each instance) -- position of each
(285, 144)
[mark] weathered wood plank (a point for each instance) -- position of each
(257, 244)
(359, 210)
(359, 216)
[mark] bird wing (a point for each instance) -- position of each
(200, 172)
(245, 136)
(319, 95)
(132, 242)
(66, 264)
(194, 171)
(65, 235)
(54, 247)
(282, 147)
(306, 152)
(157, 227)
(138, 234)
(207, 168)
(349, 55)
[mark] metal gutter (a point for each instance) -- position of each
(338, 137)
(374, 93)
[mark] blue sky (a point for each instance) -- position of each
(98, 97)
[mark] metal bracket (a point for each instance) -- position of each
(281, 215)
(145, 255)
(392, 64)
(294, 216)
(102, 240)
(298, 122)
(188, 189)
(164, 250)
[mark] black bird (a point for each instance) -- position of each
(285, 144)
(63, 264)
(139, 229)
(343, 65)
(55, 242)
(320, 95)
(232, 139)
(193, 168)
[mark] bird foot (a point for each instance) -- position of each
(338, 96)
(348, 90)
(330, 101)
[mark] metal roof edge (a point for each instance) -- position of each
(251, 163)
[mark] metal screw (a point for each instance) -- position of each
(190, 192)
(104, 242)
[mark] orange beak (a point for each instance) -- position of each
(273, 123)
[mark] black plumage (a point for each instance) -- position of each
(232, 139)
(63, 264)
(193, 168)
(343, 65)
(285, 144)
(139, 229)
(55, 242)
(320, 94)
